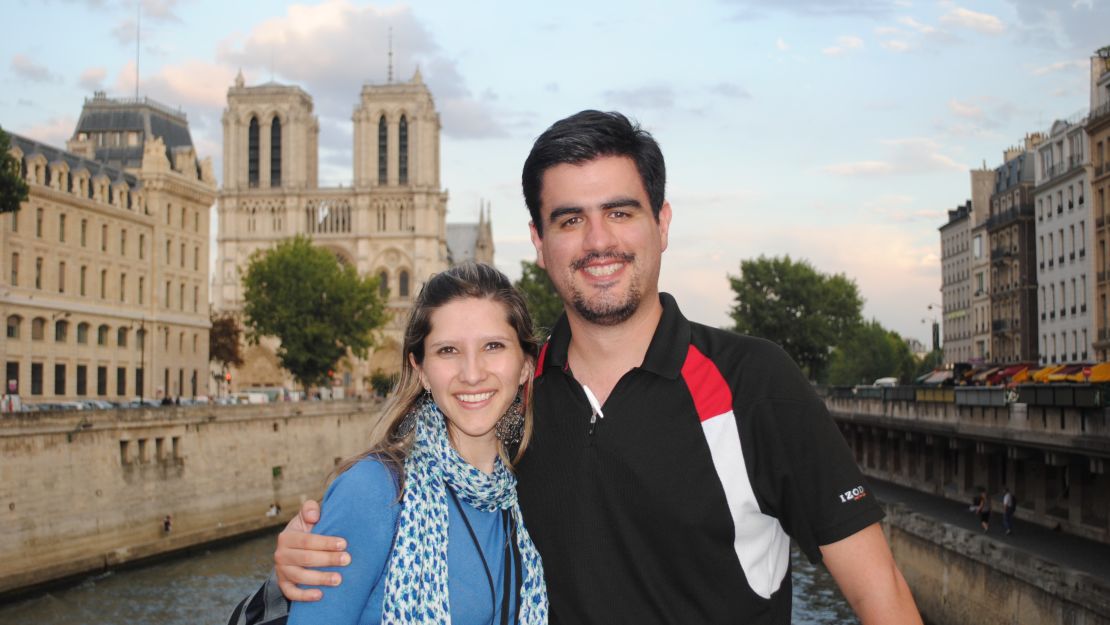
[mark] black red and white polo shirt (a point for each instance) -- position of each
(679, 505)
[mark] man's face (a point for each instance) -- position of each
(601, 246)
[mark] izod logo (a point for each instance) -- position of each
(855, 494)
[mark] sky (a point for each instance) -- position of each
(833, 131)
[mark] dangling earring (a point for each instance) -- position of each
(408, 424)
(510, 427)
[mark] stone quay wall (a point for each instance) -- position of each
(960, 576)
(85, 491)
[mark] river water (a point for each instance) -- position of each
(203, 587)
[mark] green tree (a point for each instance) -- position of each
(319, 308)
(870, 352)
(223, 340)
(931, 361)
(803, 310)
(13, 188)
(539, 295)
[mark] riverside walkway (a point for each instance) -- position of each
(1073, 552)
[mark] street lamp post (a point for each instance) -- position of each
(935, 326)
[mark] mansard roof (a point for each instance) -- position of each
(30, 148)
(147, 117)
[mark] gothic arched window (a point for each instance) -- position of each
(275, 153)
(252, 153)
(383, 283)
(383, 150)
(403, 284)
(403, 151)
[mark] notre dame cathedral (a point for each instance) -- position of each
(390, 223)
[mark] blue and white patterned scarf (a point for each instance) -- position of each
(416, 580)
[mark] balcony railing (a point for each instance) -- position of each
(1008, 216)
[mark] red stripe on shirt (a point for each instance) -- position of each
(712, 396)
(539, 361)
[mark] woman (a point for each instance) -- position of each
(429, 511)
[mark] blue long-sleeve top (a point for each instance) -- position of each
(361, 505)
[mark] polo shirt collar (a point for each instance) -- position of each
(665, 354)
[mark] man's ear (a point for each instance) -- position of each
(537, 242)
(664, 225)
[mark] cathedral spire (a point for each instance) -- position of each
(390, 55)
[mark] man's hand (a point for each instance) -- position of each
(299, 552)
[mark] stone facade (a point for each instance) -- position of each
(1098, 140)
(83, 492)
(955, 254)
(1065, 287)
(982, 181)
(1013, 256)
(104, 281)
(391, 223)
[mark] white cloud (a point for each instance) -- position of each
(896, 45)
(646, 97)
(92, 78)
(27, 69)
(883, 31)
(905, 156)
(313, 46)
(55, 131)
(967, 110)
(979, 22)
(1060, 67)
(843, 45)
(924, 29)
(781, 44)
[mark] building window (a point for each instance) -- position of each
(104, 238)
(38, 273)
(38, 329)
(123, 242)
(169, 213)
(181, 296)
(103, 284)
(196, 258)
(142, 246)
(14, 323)
(102, 335)
(196, 297)
(181, 256)
(61, 331)
(182, 217)
(121, 336)
(275, 153)
(166, 299)
(38, 222)
(383, 284)
(61, 277)
(62, 228)
(59, 379)
(139, 300)
(403, 151)
(15, 269)
(383, 150)
(252, 153)
(84, 232)
(403, 283)
(81, 278)
(168, 246)
(121, 382)
(82, 380)
(82, 333)
(15, 221)
(102, 381)
(196, 221)
(36, 378)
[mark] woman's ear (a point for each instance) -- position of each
(419, 372)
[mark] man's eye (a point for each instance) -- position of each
(570, 221)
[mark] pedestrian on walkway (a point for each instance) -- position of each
(1008, 507)
(984, 510)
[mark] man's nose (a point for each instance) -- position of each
(599, 234)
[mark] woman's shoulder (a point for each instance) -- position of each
(367, 477)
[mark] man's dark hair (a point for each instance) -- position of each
(588, 135)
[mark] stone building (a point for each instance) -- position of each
(1065, 320)
(982, 183)
(1098, 140)
(955, 255)
(105, 272)
(390, 223)
(1012, 240)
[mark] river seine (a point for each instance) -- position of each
(204, 586)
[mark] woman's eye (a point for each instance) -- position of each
(492, 345)
(446, 350)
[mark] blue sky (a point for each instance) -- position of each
(835, 131)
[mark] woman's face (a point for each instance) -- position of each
(473, 365)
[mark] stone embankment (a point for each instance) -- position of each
(85, 491)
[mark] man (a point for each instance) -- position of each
(671, 462)
(1008, 508)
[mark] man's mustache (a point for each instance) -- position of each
(596, 256)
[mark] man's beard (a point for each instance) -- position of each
(606, 313)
